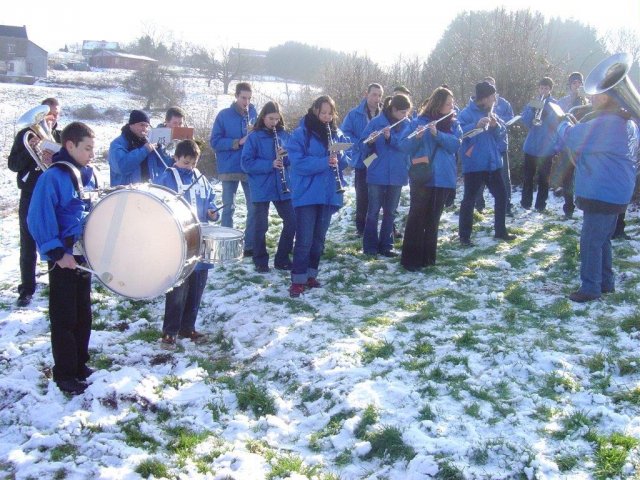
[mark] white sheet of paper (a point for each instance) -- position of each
(367, 161)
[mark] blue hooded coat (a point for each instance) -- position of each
(481, 153)
(228, 127)
(391, 166)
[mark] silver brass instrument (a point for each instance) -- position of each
(281, 171)
(34, 119)
(537, 118)
(611, 76)
(423, 128)
(373, 135)
(336, 170)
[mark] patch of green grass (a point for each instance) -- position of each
(555, 383)
(387, 443)
(630, 323)
(217, 410)
(448, 471)
(426, 413)
(630, 396)
(517, 260)
(256, 398)
(213, 365)
(103, 362)
(629, 366)
(571, 424)
(172, 381)
(371, 351)
(369, 417)
(466, 304)
(611, 454)
(566, 462)
(295, 305)
(223, 342)
(422, 349)
(333, 427)
(154, 467)
(285, 465)
(427, 312)
(376, 321)
(473, 410)
(149, 335)
(561, 309)
(60, 452)
(467, 340)
(606, 327)
(134, 437)
(309, 394)
(596, 363)
(517, 294)
(344, 458)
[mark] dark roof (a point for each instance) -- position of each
(11, 31)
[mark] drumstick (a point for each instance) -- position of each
(106, 277)
(219, 208)
(194, 183)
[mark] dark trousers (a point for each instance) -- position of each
(385, 198)
(285, 244)
(312, 223)
(472, 183)
(506, 178)
(541, 165)
(182, 304)
(620, 224)
(362, 198)
(70, 316)
(28, 255)
(421, 232)
(566, 171)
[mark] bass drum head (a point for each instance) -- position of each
(136, 235)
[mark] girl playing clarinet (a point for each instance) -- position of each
(265, 161)
(316, 185)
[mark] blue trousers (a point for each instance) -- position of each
(385, 197)
(229, 189)
(182, 304)
(312, 223)
(285, 244)
(596, 271)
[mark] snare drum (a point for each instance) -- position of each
(146, 236)
(221, 244)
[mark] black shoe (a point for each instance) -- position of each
(465, 242)
(72, 387)
(283, 266)
(567, 216)
(608, 290)
(247, 253)
(411, 268)
(262, 269)
(509, 213)
(580, 297)
(506, 237)
(389, 254)
(397, 235)
(84, 373)
(24, 300)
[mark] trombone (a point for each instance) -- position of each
(39, 129)
(373, 135)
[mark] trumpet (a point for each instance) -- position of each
(537, 118)
(39, 129)
(373, 135)
(423, 128)
(281, 171)
(335, 168)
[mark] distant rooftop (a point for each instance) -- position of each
(14, 32)
(99, 45)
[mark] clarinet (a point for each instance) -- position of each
(336, 171)
(281, 171)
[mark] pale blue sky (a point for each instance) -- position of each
(410, 27)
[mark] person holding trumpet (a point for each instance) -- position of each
(387, 173)
(435, 140)
(265, 161)
(316, 186)
(483, 134)
(540, 145)
(28, 172)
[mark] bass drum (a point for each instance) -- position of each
(145, 237)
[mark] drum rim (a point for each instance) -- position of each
(147, 191)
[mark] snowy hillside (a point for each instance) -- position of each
(478, 368)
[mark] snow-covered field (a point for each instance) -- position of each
(476, 368)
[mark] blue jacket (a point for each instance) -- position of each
(125, 163)
(57, 214)
(542, 140)
(606, 150)
(481, 153)
(201, 197)
(258, 154)
(504, 111)
(229, 127)
(352, 126)
(444, 162)
(391, 167)
(313, 181)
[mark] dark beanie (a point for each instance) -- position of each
(484, 89)
(137, 116)
(575, 76)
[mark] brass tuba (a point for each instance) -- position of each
(611, 76)
(34, 119)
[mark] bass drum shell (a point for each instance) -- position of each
(145, 236)
(221, 244)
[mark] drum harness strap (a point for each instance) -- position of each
(198, 189)
(76, 179)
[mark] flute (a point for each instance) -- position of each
(281, 171)
(372, 136)
(421, 129)
(336, 171)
